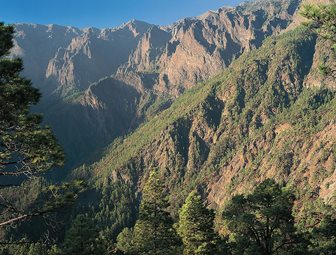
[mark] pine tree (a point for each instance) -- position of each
(262, 222)
(38, 249)
(196, 227)
(322, 19)
(125, 241)
(153, 232)
(82, 238)
(319, 224)
(26, 148)
(324, 237)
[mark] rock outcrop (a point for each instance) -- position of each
(261, 118)
(77, 69)
(192, 50)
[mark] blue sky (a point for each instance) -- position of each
(104, 13)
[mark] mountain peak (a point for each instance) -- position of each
(136, 24)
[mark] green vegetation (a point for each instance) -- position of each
(26, 148)
(256, 119)
(27, 151)
(196, 228)
(147, 132)
(322, 19)
(261, 118)
(195, 100)
(258, 223)
(262, 222)
(153, 232)
(82, 238)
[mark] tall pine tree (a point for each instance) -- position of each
(82, 238)
(26, 147)
(196, 228)
(153, 232)
(262, 222)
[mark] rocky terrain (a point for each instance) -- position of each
(271, 114)
(216, 103)
(86, 75)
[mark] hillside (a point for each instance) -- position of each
(271, 114)
(86, 74)
(215, 135)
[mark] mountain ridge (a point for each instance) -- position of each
(159, 63)
(261, 118)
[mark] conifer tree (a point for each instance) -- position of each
(322, 19)
(153, 231)
(82, 238)
(125, 241)
(262, 222)
(38, 249)
(26, 147)
(318, 222)
(324, 237)
(196, 227)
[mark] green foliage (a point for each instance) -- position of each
(230, 120)
(323, 240)
(26, 148)
(262, 222)
(153, 232)
(322, 18)
(196, 228)
(82, 238)
(54, 197)
(318, 223)
(38, 249)
(265, 89)
(117, 208)
(25, 248)
(125, 241)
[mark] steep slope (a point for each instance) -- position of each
(195, 49)
(261, 118)
(152, 66)
(36, 59)
(91, 122)
(182, 54)
(93, 55)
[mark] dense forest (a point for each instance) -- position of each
(243, 163)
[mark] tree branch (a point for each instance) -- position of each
(14, 173)
(9, 163)
(285, 243)
(23, 217)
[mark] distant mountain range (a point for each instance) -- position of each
(216, 103)
(99, 84)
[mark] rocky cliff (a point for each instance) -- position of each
(264, 117)
(192, 50)
(87, 74)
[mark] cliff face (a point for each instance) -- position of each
(37, 45)
(77, 69)
(193, 50)
(179, 56)
(93, 55)
(264, 117)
